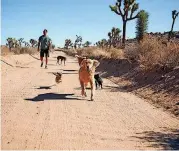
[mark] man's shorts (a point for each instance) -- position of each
(46, 52)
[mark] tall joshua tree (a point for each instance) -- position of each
(142, 25)
(174, 16)
(127, 13)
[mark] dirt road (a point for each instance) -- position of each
(37, 114)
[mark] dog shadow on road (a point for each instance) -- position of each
(52, 96)
(70, 70)
(44, 87)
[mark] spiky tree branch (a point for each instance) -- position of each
(127, 13)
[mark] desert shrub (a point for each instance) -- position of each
(24, 50)
(93, 52)
(116, 53)
(152, 52)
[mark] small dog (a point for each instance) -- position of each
(98, 81)
(86, 75)
(58, 78)
(62, 58)
(80, 59)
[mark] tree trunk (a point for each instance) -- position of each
(170, 33)
(124, 33)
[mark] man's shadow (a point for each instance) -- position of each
(52, 96)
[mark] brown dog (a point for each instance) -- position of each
(80, 59)
(58, 78)
(86, 75)
(62, 58)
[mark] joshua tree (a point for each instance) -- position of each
(102, 43)
(127, 14)
(33, 42)
(114, 37)
(142, 25)
(20, 40)
(12, 43)
(98, 44)
(87, 44)
(68, 43)
(26, 44)
(174, 16)
(78, 41)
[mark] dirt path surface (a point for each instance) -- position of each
(38, 114)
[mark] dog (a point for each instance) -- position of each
(80, 59)
(86, 75)
(62, 58)
(98, 81)
(58, 78)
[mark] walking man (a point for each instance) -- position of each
(44, 45)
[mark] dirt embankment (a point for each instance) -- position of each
(158, 87)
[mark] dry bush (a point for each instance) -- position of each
(70, 52)
(131, 52)
(5, 51)
(153, 51)
(93, 52)
(116, 53)
(24, 50)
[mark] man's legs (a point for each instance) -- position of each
(46, 61)
(41, 57)
(46, 57)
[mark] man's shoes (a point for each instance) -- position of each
(41, 64)
(46, 67)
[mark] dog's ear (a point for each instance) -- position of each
(83, 62)
(96, 63)
(59, 73)
(54, 74)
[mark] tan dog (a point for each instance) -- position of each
(58, 78)
(86, 75)
(80, 59)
